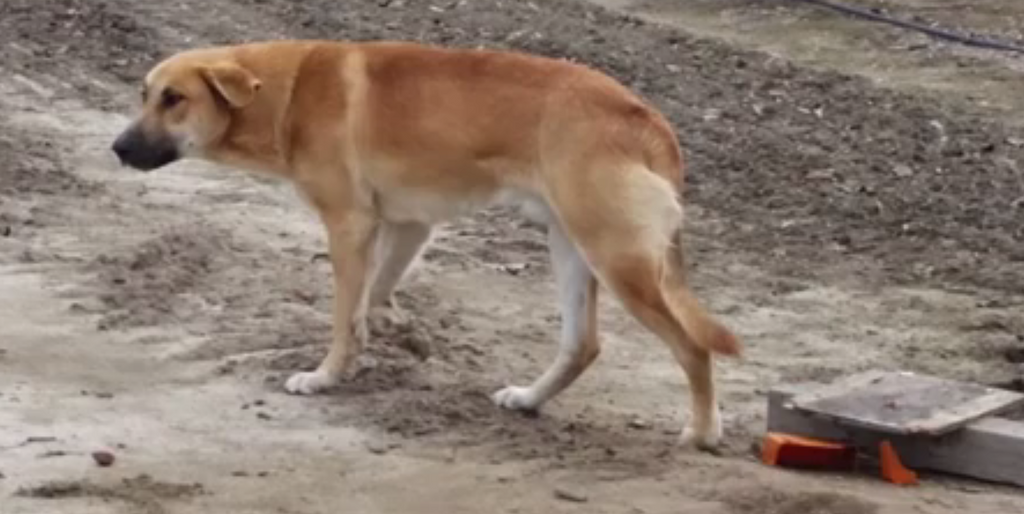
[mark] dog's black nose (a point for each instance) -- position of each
(122, 148)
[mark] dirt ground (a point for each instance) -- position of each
(854, 198)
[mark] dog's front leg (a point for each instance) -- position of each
(351, 241)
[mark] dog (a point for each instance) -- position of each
(386, 139)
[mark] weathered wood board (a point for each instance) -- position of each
(990, 448)
(905, 403)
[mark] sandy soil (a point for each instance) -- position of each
(839, 219)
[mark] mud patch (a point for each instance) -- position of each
(141, 494)
(767, 500)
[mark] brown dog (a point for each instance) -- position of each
(387, 139)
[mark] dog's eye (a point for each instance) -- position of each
(170, 98)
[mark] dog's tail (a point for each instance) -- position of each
(705, 331)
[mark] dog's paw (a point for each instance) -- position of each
(516, 398)
(311, 382)
(706, 438)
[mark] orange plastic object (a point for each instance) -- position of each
(803, 452)
(893, 469)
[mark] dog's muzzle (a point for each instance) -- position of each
(137, 150)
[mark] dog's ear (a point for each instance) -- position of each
(236, 85)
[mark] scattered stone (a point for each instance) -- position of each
(903, 171)
(227, 367)
(822, 174)
(639, 424)
(377, 447)
(239, 474)
(514, 269)
(568, 495)
(103, 458)
(264, 416)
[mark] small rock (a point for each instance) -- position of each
(103, 458)
(264, 416)
(514, 269)
(239, 474)
(380, 447)
(825, 174)
(5, 231)
(639, 424)
(674, 68)
(570, 496)
(902, 170)
(711, 115)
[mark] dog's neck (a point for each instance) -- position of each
(258, 137)
(252, 140)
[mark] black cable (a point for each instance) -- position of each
(920, 27)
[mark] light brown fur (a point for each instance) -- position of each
(387, 139)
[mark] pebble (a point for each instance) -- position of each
(570, 495)
(639, 424)
(103, 458)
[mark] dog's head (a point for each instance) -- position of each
(187, 104)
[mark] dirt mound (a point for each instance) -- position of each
(152, 282)
(766, 500)
(142, 494)
(77, 37)
(31, 166)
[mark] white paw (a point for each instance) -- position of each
(310, 382)
(516, 398)
(703, 436)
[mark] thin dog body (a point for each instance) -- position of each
(387, 139)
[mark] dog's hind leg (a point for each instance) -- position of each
(626, 226)
(578, 346)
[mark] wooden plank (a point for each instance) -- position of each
(905, 403)
(990, 449)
